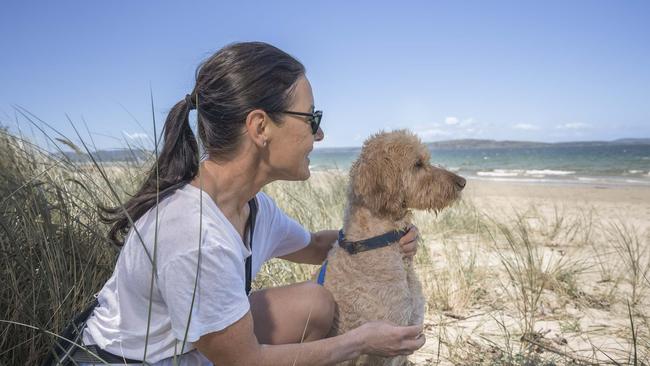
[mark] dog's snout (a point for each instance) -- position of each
(460, 182)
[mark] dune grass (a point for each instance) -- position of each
(495, 284)
(53, 251)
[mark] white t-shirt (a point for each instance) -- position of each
(119, 324)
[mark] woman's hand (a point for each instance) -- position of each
(408, 244)
(386, 339)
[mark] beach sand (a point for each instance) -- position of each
(580, 234)
(631, 203)
(581, 194)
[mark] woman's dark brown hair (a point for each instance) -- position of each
(236, 80)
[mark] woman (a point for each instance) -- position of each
(184, 299)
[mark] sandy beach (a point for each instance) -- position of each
(582, 194)
(591, 245)
(629, 202)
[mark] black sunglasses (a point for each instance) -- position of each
(313, 120)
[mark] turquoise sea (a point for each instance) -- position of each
(624, 164)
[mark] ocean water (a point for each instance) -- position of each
(592, 165)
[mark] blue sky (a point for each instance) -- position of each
(545, 71)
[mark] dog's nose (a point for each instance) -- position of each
(460, 182)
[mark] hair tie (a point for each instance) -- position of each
(190, 101)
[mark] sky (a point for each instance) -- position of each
(505, 70)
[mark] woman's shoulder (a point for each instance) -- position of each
(266, 203)
(185, 209)
(183, 221)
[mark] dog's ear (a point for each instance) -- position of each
(376, 182)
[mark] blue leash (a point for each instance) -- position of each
(321, 274)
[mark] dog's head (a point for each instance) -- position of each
(393, 174)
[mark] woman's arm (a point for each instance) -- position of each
(316, 251)
(237, 345)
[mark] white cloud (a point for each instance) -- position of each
(450, 128)
(452, 120)
(573, 126)
(135, 135)
(525, 126)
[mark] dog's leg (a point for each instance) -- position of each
(417, 298)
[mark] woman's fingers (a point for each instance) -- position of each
(409, 242)
(413, 339)
(411, 234)
(409, 249)
(416, 343)
(389, 340)
(412, 331)
(410, 346)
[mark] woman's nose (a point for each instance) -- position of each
(320, 135)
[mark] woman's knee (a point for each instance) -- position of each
(288, 314)
(323, 305)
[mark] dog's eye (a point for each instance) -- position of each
(419, 164)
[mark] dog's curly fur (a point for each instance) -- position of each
(391, 176)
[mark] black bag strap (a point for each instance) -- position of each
(63, 347)
(251, 228)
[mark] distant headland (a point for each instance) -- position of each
(110, 155)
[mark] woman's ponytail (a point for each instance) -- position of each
(176, 165)
(178, 161)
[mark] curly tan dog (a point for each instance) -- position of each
(370, 280)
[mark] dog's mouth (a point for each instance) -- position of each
(459, 183)
(450, 194)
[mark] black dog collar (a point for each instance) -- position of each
(354, 247)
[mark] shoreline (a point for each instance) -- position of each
(601, 182)
(613, 182)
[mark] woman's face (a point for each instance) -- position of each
(292, 139)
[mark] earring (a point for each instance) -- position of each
(264, 143)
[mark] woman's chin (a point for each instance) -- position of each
(305, 174)
(302, 174)
(307, 168)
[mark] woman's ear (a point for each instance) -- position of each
(258, 126)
